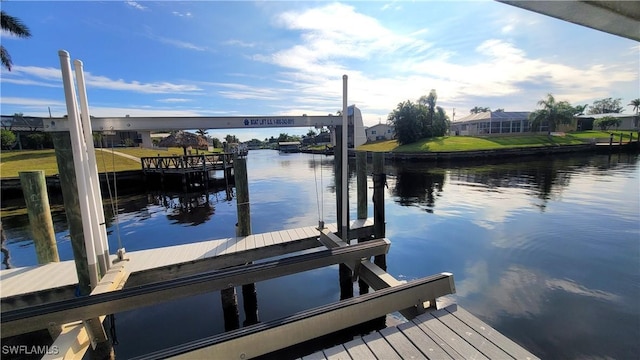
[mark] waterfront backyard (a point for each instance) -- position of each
(541, 248)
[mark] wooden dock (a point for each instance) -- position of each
(449, 333)
(33, 285)
(189, 168)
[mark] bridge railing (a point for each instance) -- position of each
(184, 162)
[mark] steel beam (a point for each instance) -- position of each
(260, 339)
(30, 319)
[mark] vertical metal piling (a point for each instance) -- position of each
(34, 187)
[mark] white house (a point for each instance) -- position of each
(379, 132)
(492, 122)
(627, 121)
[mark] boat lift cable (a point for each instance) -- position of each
(319, 198)
(321, 193)
(315, 176)
(114, 202)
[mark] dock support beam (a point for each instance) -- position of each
(249, 296)
(69, 187)
(345, 274)
(34, 187)
(361, 180)
(379, 183)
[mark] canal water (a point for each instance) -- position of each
(545, 250)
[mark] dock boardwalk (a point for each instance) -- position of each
(28, 286)
(186, 163)
(449, 333)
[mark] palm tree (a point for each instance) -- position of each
(554, 113)
(477, 110)
(636, 105)
(14, 26)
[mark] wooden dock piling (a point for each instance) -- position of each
(379, 183)
(249, 295)
(361, 181)
(34, 187)
(69, 187)
(345, 274)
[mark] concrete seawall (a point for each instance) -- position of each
(504, 153)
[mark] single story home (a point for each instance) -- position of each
(492, 122)
(627, 121)
(289, 146)
(379, 132)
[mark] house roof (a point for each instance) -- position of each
(289, 143)
(377, 125)
(600, 116)
(24, 123)
(496, 115)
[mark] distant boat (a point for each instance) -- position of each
(289, 147)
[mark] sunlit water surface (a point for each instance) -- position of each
(545, 250)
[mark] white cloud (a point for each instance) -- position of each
(30, 101)
(336, 39)
(178, 43)
(180, 14)
(391, 6)
(174, 100)
(241, 91)
(240, 43)
(135, 4)
(51, 77)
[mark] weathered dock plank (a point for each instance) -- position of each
(358, 350)
(447, 333)
(514, 350)
(401, 344)
(268, 239)
(337, 352)
(380, 347)
(471, 336)
(423, 342)
(453, 339)
(156, 264)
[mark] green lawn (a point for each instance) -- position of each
(470, 143)
(598, 134)
(142, 152)
(13, 161)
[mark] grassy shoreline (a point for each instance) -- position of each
(496, 142)
(14, 161)
(11, 162)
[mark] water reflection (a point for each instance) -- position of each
(185, 208)
(417, 184)
(542, 248)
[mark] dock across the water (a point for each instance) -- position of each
(188, 168)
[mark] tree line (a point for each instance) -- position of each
(423, 119)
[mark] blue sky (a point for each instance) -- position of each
(276, 58)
